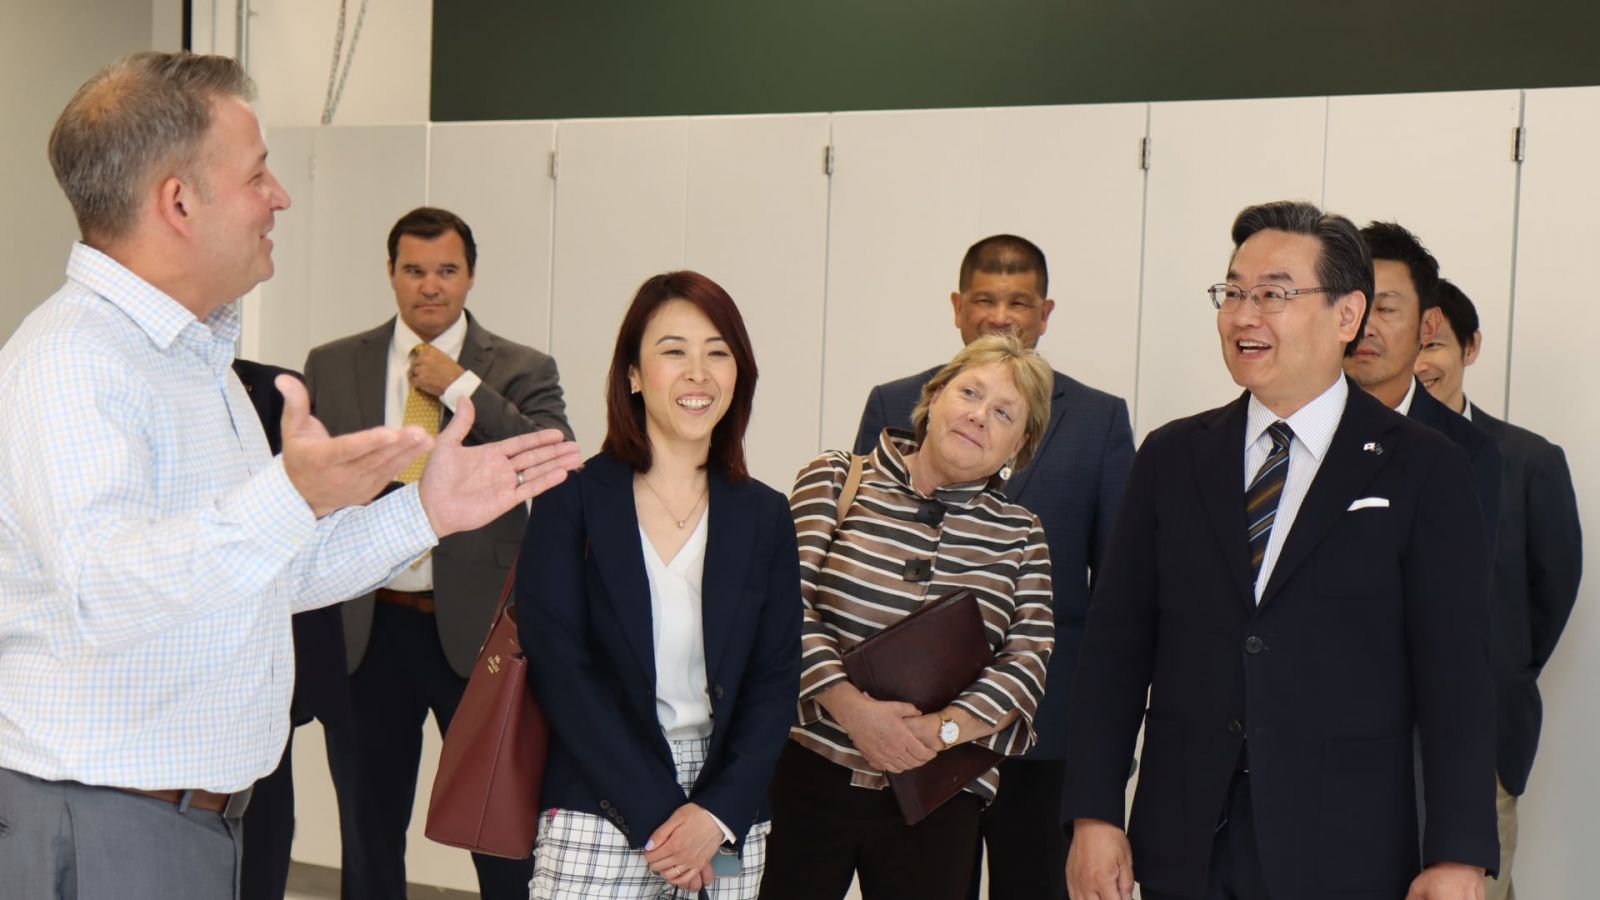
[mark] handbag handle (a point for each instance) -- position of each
(847, 494)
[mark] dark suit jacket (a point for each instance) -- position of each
(520, 393)
(1487, 463)
(320, 689)
(1073, 485)
(1372, 633)
(1538, 564)
(583, 601)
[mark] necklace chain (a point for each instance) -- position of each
(675, 520)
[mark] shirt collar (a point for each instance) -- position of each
(164, 320)
(890, 460)
(1466, 406)
(449, 342)
(1404, 408)
(1313, 424)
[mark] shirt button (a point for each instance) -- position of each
(1253, 645)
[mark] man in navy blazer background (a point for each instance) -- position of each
(1285, 660)
(1073, 485)
(1405, 277)
(1538, 559)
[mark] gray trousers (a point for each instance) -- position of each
(60, 840)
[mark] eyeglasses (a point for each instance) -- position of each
(1267, 298)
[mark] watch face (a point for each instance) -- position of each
(949, 732)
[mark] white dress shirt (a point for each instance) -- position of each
(419, 575)
(1404, 408)
(682, 705)
(1313, 426)
(152, 549)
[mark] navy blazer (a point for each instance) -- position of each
(1537, 566)
(1487, 464)
(1073, 485)
(1371, 635)
(583, 606)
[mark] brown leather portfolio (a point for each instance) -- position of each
(927, 659)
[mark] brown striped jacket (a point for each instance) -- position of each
(855, 582)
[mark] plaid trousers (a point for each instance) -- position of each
(581, 855)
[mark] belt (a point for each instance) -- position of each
(231, 806)
(421, 601)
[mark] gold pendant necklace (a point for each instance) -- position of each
(675, 520)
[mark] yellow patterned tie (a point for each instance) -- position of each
(422, 409)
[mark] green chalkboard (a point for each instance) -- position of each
(535, 59)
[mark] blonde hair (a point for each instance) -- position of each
(1031, 374)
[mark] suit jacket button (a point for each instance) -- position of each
(716, 692)
(1253, 644)
(1235, 727)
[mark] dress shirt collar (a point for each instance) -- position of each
(1404, 408)
(162, 319)
(449, 342)
(1466, 406)
(1313, 424)
(890, 460)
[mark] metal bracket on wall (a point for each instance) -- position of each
(554, 164)
(827, 160)
(1519, 144)
(1144, 153)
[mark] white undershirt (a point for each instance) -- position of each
(419, 576)
(682, 705)
(1313, 426)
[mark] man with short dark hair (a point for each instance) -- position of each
(1295, 588)
(1538, 559)
(413, 642)
(1406, 276)
(154, 549)
(1073, 486)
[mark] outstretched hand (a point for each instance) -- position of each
(465, 487)
(331, 473)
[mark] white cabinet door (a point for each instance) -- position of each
(1552, 391)
(1209, 160)
(1068, 179)
(757, 224)
(904, 208)
(620, 200)
(496, 177)
(366, 177)
(1441, 165)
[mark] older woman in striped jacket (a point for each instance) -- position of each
(928, 518)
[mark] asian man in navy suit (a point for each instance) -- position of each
(1405, 276)
(1538, 558)
(1284, 660)
(1073, 485)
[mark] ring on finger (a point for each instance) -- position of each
(519, 478)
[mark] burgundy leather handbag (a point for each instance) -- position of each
(486, 793)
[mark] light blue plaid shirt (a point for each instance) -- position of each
(152, 549)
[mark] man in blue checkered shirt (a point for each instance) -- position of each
(152, 549)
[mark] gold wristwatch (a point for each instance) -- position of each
(949, 731)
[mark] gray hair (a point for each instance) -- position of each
(139, 118)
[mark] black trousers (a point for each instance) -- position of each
(269, 820)
(403, 676)
(1235, 860)
(824, 831)
(1021, 831)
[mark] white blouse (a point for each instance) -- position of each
(682, 705)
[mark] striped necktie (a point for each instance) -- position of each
(1261, 498)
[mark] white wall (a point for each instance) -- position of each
(47, 49)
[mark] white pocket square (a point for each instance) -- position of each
(1369, 503)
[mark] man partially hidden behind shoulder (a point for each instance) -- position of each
(1298, 583)
(154, 549)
